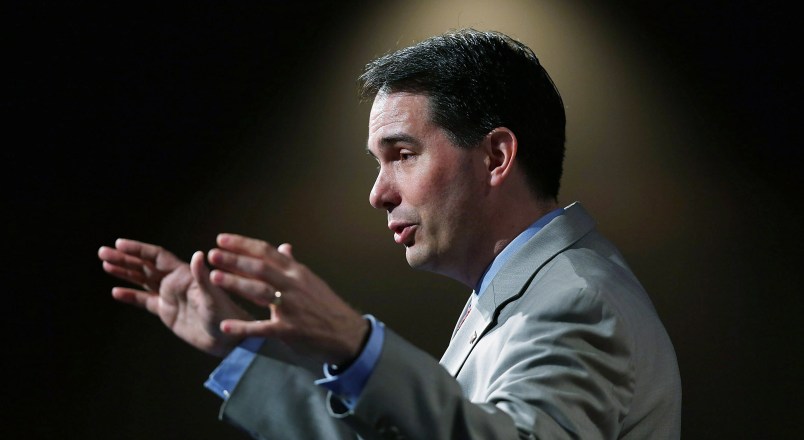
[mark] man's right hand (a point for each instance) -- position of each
(179, 293)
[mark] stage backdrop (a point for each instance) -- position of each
(171, 123)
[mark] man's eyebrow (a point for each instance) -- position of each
(388, 141)
(397, 138)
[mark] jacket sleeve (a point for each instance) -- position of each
(277, 399)
(410, 396)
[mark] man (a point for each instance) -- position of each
(557, 340)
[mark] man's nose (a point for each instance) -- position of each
(384, 194)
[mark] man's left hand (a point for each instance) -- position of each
(308, 316)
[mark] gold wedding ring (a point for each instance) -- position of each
(277, 301)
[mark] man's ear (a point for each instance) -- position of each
(501, 147)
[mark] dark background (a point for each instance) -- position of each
(169, 123)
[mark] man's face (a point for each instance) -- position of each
(431, 188)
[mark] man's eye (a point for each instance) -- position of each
(405, 156)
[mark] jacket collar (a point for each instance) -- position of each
(512, 279)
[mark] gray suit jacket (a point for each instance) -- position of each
(565, 343)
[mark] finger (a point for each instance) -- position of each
(238, 263)
(156, 256)
(200, 271)
(246, 245)
(118, 258)
(264, 270)
(202, 275)
(139, 298)
(256, 291)
(145, 251)
(134, 276)
(106, 253)
(286, 249)
(239, 328)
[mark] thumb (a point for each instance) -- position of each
(286, 249)
(201, 273)
(199, 269)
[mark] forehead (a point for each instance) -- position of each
(399, 111)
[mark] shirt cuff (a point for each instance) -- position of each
(224, 379)
(349, 383)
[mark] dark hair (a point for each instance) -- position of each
(477, 81)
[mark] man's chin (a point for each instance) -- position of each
(418, 258)
(415, 258)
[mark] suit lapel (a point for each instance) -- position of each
(511, 280)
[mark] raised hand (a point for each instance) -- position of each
(311, 318)
(179, 293)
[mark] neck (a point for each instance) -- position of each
(507, 223)
(516, 226)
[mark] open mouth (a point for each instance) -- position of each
(404, 234)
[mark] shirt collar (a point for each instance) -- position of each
(512, 247)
